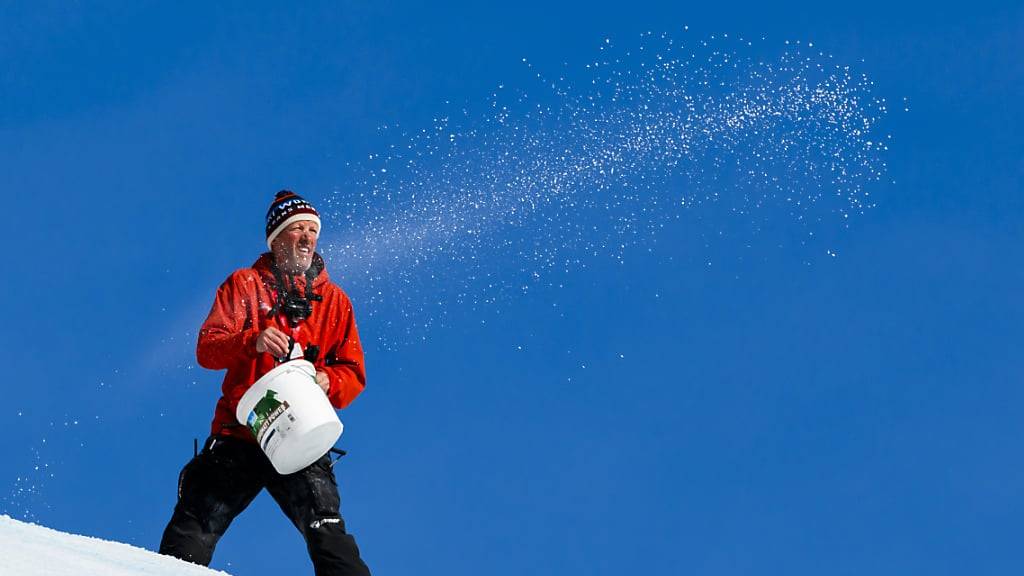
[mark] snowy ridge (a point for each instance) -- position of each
(31, 550)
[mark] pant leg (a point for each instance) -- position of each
(310, 499)
(213, 488)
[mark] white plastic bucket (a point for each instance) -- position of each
(290, 416)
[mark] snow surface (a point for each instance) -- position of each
(31, 550)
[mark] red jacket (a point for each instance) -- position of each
(227, 339)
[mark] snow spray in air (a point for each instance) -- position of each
(591, 162)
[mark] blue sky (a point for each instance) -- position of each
(714, 402)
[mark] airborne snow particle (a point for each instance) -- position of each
(542, 181)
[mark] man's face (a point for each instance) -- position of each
(294, 247)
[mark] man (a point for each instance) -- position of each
(283, 307)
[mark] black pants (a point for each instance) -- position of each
(219, 483)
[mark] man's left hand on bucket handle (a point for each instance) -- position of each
(323, 381)
(273, 341)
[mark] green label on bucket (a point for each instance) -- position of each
(267, 410)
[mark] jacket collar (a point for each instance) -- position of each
(265, 266)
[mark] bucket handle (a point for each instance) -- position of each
(287, 355)
(339, 453)
(311, 353)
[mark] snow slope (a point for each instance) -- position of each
(30, 550)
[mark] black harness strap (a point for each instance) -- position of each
(286, 292)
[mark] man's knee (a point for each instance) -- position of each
(310, 499)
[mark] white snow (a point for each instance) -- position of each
(514, 192)
(31, 550)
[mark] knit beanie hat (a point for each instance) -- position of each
(286, 208)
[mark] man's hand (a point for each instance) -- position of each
(274, 341)
(323, 381)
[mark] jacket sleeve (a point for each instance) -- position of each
(228, 335)
(344, 361)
